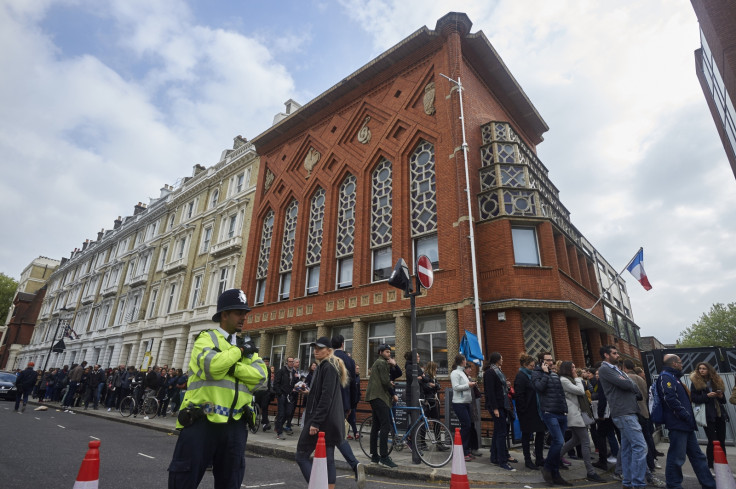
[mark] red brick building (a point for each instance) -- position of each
(26, 307)
(372, 170)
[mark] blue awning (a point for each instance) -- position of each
(470, 347)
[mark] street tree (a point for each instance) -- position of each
(714, 328)
(8, 286)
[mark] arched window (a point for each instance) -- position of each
(314, 240)
(381, 231)
(423, 192)
(287, 250)
(263, 256)
(345, 246)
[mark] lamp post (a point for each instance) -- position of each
(51, 347)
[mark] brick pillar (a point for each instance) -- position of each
(292, 343)
(561, 250)
(360, 345)
(594, 338)
(560, 339)
(576, 342)
(265, 343)
(584, 276)
(323, 330)
(453, 335)
(505, 337)
(593, 281)
(572, 256)
(403, 338)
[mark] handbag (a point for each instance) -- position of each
(587, 418)
(699, 413)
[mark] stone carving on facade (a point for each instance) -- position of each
(268, 180)
(429, 99)
(364, 135)
(311, 160)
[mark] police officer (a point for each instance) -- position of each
(224, 372)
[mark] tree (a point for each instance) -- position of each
(715, 328)
(8, 286)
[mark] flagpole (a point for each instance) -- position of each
(614, 280)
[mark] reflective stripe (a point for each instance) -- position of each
(215, 341)
(222, 383)
(207, 361)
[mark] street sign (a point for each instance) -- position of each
(400, 277)
(424, 272)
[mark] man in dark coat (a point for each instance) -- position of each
(24, 386)
(682, 430)
(527, 408)
(554, 414)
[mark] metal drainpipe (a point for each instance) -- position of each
(471, 224)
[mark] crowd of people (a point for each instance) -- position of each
(83, 385)
(556, 403)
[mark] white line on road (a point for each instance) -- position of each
(266, 485)
(93, 437)
(144, 455)
(63, 427)
(37, 418)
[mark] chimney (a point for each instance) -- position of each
(85, 244)
(137, 209)
(117, 223)
(239, 141)
(165, 191)
(63, 260)
(100, 234)
(198, 169)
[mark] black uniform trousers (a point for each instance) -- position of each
(204, 443)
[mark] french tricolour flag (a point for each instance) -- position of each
(636, 268)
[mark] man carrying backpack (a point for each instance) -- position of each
(677, 413)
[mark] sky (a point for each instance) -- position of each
(102, 103)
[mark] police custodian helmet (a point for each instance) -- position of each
(229, 300)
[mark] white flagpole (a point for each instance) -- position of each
(614, 279)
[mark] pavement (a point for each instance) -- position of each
(479, 470)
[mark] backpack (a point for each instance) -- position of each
(656, 411)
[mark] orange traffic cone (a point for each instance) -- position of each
(724, 477)
(89, 472)
(459, 476)
(318, 477)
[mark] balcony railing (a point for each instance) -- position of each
(176, 265)
(227, 246)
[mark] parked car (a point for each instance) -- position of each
(7, 386)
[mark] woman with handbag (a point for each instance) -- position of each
(579, 416)
(707, 389)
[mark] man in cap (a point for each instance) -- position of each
(378, 394)
(224, 371)
(24, 386)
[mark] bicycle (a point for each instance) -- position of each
(257, 426)
(433, 439)
(148, 406)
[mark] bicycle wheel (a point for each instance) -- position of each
(150, 407)
(365, 437)
(127, 406)
(434, 443)
(257, 425)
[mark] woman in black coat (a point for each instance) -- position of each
(527, 409)
(707, 388)
(324, 411)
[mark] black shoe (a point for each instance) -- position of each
(594, 478)
(564, 467)
(530, 465)
(601, 464)
(539, 462)
(547, 476)
(658, 453)
(560, 481)
(375, 459)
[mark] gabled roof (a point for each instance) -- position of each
(477, 50)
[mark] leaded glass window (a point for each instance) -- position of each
(265, 250)
(381, 204)
(346, 218)
(423, 190)
(287, 243)
(316, 218)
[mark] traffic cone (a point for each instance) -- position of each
(318, 477)
(459, 476)
(724, 477)
(89, 472)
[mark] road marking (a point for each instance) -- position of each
(93, 437)
(63, 427)
(144, 455)
(37, 418)
(266, 485)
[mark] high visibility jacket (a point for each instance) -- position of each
(221, 391)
